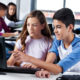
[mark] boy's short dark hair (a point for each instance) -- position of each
(3, 6)
(65, 15)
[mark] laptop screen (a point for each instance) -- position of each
(2, 53)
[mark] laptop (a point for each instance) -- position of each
(3, 62)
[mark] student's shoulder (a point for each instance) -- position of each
(57, 42)
(1, 19)
(76, 41)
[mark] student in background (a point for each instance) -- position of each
(4, 30)
(34, 40)
(66, 45)
(11, 15)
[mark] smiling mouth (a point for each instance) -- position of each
(57, 34)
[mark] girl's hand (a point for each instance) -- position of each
(20, 56)
(29, 66)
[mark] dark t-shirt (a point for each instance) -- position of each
(3, 26)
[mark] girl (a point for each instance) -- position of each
(11, 16)
(3, 26)
(34, 40)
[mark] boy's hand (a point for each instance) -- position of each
(16, 33)
(42, 74)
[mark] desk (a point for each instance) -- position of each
(71, 73)
(19, 76)
(10, 38)
(18, 29)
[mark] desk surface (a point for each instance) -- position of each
(19, 76)
(18, 29)
(10, 39)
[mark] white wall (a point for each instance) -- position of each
(25, 6)
(7, 1)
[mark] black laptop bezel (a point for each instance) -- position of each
(3, 63)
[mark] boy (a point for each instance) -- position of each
(66, 45)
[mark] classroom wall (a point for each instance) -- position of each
(25, 6)
(7, 1)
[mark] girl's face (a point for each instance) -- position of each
(12, 10)
(34, 27)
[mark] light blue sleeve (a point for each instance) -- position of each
(71, 59)
(54, 47)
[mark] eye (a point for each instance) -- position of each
(58, 26)
(34, 25)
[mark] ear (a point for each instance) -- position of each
(70, 27)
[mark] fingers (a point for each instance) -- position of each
(10, 51)
(29, 66)
(13, 51)
(33, 66)
(20, 56)
(16, 33)
(38, 74)
(15, 54)
(42, 74)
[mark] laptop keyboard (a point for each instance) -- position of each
(69, 77)
(20, 70)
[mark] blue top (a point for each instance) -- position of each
(69, 56)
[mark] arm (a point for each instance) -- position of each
(50, 57)
(9, 34)
(70, 60)
(4, 26)
(48, 66)
(44, 73)
(62, 66)
(20, 56)
(45, 65)
(52, 53)
(11, 61)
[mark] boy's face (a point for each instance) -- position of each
(60, 30)
(2, 13)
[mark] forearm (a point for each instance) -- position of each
(54, 68)
(10, 61)
(51, 57)
(8, 34)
